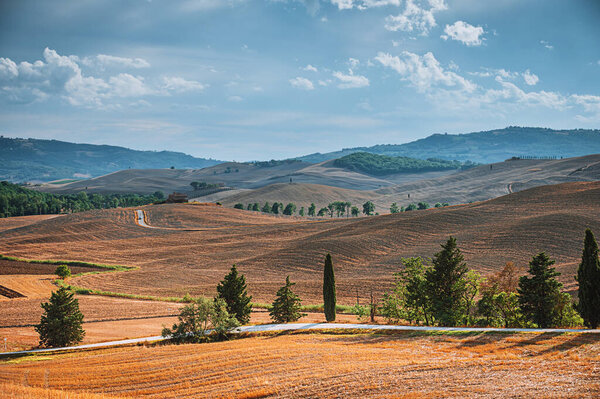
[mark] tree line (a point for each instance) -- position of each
(448, 293)
(337, 208)
(16, 200)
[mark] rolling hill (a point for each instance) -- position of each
(486, 146)
(366, 251)
(46, 160)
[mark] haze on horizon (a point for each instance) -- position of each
(249, 79)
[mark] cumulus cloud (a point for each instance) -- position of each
(62, 77)
(350, 80)
(235, 99)
(424, 72)
(465, 33)
(415, 18)
(530, 78)
(302, 83)
(547, 45)
(178, 84)
(310, 68)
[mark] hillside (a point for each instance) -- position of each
(381, 165)
(366, 251)
(485, 147)
(47, 160)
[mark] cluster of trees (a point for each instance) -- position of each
(337, 208)
(447, 293)
(201, 185)
(413, 207)
(16, 200)
(376, 164)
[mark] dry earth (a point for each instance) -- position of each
(329, 365)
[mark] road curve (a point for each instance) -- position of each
(141, 219)
(310, 326)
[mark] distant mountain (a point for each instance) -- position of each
(485, 147)
(46, 160)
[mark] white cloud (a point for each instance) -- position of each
(177, 84)
(364, 4)
(424, 72)
(465, 33)
(590, 103)
(62, 77)
(530, 78)
(326, 82)
(350, 81)
(235, 99)
(547, 45)
(302, 83)
(415, 18)
(310, 68)
(104, 61)
(353, 62)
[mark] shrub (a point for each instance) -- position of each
(197, 318)
(239, 206)
(63, 271)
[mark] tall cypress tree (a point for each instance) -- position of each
(329, 290)
(588, 277)
(446, 284)
(60, 324)
(540, 293)
(233, 290)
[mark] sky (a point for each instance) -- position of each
(270, 79)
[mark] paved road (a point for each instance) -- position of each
(312, 326)
(141, 219)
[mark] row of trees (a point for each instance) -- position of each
(16, 200)
(447, 293)
(337, 208)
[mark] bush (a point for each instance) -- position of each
(239, 206)
(286, 307)
(362, 312)
(197, 318)
(63, 271)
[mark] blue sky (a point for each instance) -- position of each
(261, 79)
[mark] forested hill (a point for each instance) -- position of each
(46, 160)
(485, 147)
(380, 165)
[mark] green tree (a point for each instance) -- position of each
(472, 283)
(290, 209)
(411, 207)
(329, 290)
(233, 291)
(540, 293)
(286, 307)
(331, 208)
(422, 205)
(63, 271)
(276, 208)
(239, 206)
(446, 284)
(61, 321)
(348, 207)
(438, 205)
(588, 277)
(311, 209)
(200, 316)
(255, 207)
(266, 208)
(322, 212)
(394, 208)
(301, 211)
(355, 211)
(368, 208)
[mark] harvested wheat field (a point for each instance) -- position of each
(366, 251)
(327, 365)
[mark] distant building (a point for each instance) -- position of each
(177, 198)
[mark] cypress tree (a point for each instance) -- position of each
(329, 290)
(286, 307)
(233, 290)
(540, 293)
(446, 284)
(588, 277)
(61, 321)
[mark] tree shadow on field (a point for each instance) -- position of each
(573, 342)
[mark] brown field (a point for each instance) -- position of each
(329, 365)
(366, 251)
(20, 221)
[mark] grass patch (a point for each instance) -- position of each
(30, 358)
(119, 268)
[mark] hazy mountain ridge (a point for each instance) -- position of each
(485, 146)
(47, 160)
